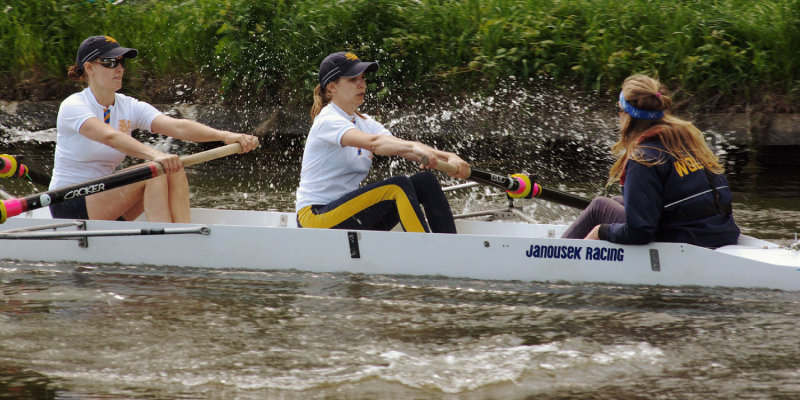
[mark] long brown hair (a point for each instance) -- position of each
(680, 137)
(321, 99)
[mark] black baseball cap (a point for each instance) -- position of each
(102, 47)
(344, 64)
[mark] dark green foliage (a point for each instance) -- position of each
(269, 51)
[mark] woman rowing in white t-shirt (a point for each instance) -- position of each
(94, 136)
(338, 155)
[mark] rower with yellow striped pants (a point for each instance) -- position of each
(338, 155)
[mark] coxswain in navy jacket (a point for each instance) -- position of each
(673, 201)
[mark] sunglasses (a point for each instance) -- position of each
(111, 62)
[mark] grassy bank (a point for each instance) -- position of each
(727, 52)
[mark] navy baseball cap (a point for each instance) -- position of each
(102, 47)
(344, 64)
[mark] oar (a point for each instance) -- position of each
(11, 168)
(518, 186)
(16, 206)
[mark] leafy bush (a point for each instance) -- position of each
(269, 51)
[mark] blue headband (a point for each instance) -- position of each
(637, 112)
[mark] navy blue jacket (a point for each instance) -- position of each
(673, 201)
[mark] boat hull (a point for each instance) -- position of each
(481, 250)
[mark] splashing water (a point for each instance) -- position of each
(559, 135)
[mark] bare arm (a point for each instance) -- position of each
(387, 145)
(185, 129)
(99, 131)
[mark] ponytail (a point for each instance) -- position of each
(320, 100)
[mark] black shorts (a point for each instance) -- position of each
(70, 209)
(73, 209)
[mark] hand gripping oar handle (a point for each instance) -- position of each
(517, 186)
(16, 206)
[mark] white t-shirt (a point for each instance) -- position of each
(331, 170)
(79, 158)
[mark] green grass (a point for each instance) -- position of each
(268, 51)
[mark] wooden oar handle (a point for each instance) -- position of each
(208, 155)
(443, 166)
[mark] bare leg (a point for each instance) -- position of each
(162, 199)
(134, 212)
(156, 200)
(179, 197)
(115, 202)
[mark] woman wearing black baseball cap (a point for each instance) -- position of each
(338, 155)
(94, 135)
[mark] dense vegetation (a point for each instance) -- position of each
(727, 52)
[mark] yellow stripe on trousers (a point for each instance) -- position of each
(361, 202)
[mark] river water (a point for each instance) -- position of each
(81, 331)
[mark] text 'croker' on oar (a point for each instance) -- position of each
(518, 186)
(141, 172)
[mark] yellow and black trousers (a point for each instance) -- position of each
(381, 205)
